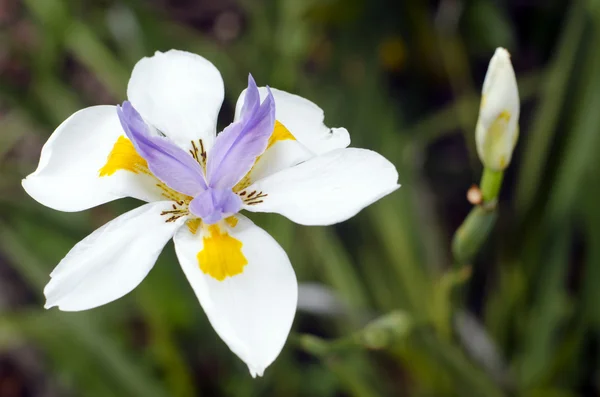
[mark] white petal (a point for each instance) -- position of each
(67, 177)
(326, 189)
(252, 311)
(304, 120)
(179, 93)
(112, 261)
(281, 155)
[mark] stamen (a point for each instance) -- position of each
(173, 218)
(194, 152)
(252, 198)
(202, 151)
(176, 212)
(198, 153)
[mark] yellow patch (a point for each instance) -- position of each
(232, 221)
(193, 225)
(280, 133)
(505, 115)
(221, 256)
(123, 156)
(503, 162)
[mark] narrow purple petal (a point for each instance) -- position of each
(167, 161)
(238, 146)
(212, 205)
(251, 99)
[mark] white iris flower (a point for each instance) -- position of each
(161, 147)
(498, 123)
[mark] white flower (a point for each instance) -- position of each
(162, 148)
(498, 125)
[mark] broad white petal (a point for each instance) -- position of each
(304, 120)
(326, 189)
(179, 93)
(68, 175)
(252, 311)
(111, 261)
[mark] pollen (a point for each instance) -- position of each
(123, 156)
(221, 256)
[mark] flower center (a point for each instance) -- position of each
(211, 205)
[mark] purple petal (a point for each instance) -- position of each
(213, 205)
(238, 146)
(167, 161)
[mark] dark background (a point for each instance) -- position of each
(404, 77)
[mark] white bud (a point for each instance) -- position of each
(498, 123)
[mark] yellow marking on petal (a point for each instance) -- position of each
(193, 225)
(505, 115)
(232, 221)
(123, 156)
(221, 256)
(503, 162)
(495, 143)
(280, 133)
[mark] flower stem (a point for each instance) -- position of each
(491, 182)
(479, 223)
(472, 233)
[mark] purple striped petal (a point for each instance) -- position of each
(213, 205)
(238, 146)
(167, 161)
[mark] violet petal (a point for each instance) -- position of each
(213, 205)
(167, 161)
(237, 147)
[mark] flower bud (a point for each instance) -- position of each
(498, 123)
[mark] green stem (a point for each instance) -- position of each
(491, 182)
(472, 233)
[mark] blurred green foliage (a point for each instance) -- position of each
(522, 320)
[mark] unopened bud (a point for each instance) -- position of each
(498, 124)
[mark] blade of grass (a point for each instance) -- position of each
(552, 97)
